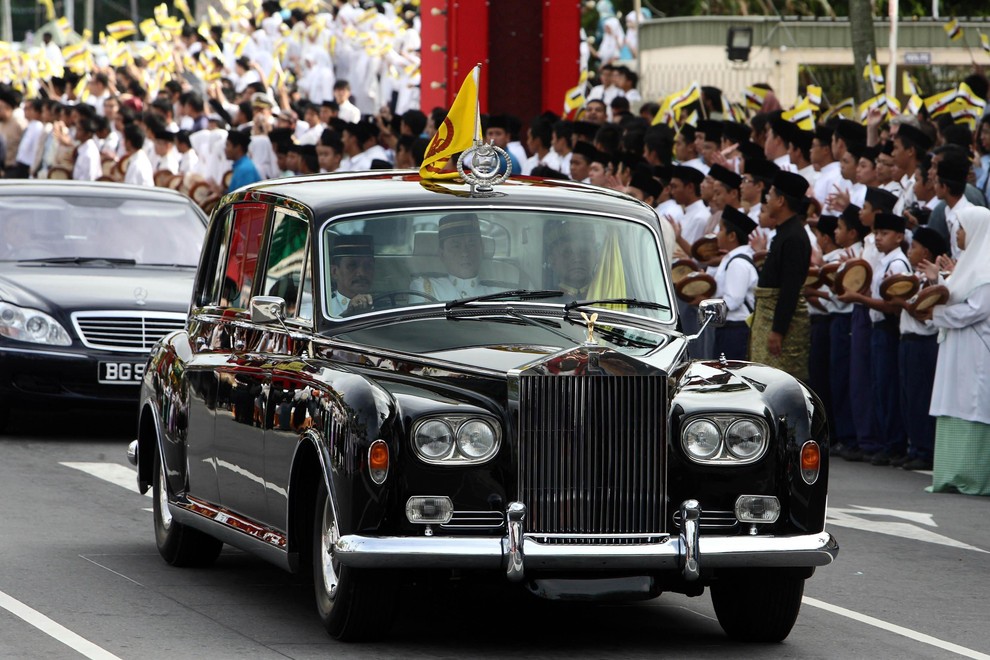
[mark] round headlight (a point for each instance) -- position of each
(701, 439)
(744, 439)
(476, 439)
(434, 440)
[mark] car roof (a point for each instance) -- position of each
(354, 192)
(60, 187)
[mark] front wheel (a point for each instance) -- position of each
(354, 605)
(178, 544)
(761, 607)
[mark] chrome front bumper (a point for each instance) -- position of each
(516, 552)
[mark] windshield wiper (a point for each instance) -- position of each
(521, 294)
(79, 260)
(166, 265)
(630, 302)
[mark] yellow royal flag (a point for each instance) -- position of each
(985, 42)
(457, 133)
(953, 30)
(755, 96)
(574, 98)
(915, 104)
(609, 280)
(814, 94)
(121, 29)
(802, 114)
(936, 104)
(909, 85)
(49, 6)
(183, 6)
(664, 115)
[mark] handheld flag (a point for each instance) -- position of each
(49, 6)
(953, 30)
(873, 73)
(755, 96)
(843, 108)
(909, 84)
(939, 103)
(814, 95)
(121, 29)
(878, 101)
(457, 133)
(574, 99)
(985, 42)
(802, 114)
(915, 104)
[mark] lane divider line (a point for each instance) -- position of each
(54, 630)
(897, 630)
(114, 473)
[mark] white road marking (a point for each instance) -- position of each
(54, 630)
(120, 475)
(898, 630)
(853, 518)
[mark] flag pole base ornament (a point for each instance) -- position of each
(483, 163)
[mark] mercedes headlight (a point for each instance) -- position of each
(456, 439)
(31, 325)
(744, 439)
(701, 439)
(434, 440)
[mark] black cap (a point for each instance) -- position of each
(736, 219)
(762, 169)
(870, 153)
(824, 134)
(887, 148)
(801, 139)
(889, 221)
(497, 121)
(751, 151)
(585, 129)
(687, 130)
(827, 224)
(164, 136)
(725, 175)
(850, 131)
(711, 128)
(781, 127)
(953, 170)
(791, 184)
(735, 132)
(856, 148)
(643, 179)
(458, 224)
(881, 200)
(353, 245)
(916, 136)
(850, 216)
(932, 240)
(687, 174)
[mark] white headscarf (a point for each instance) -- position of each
(973, 269)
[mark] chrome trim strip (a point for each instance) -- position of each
(71, 356)
(515, 516)
(491, 553)
(690, 514)
(234, 537)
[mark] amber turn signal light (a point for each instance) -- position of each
(811, 461)
(378, 461)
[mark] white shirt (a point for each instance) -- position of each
(349, 112)
(828, 177)
(736, 280)
(139, 171)
(784, 163)
(452, 288)
(88, 166)
(28, 147)
(952, 220)
(832, 304)
(962, 375)
(907, 197)
(697, 164)
(892, 263)
(188, 162)
(695, 218)
(810, 175)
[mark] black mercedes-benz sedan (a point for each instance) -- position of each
(382, 375)
(91, 276)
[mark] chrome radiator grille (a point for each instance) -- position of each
(591, 457)
(130, 332)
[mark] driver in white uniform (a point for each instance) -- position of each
(352, 272)
(461, 251)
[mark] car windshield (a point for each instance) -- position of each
(416, 258)
(80, 229)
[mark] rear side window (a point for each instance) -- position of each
(241, 258)
(286, 262)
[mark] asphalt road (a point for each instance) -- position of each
(80, 577)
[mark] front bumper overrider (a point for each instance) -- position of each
(517, 552)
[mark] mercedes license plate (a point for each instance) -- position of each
(121, 373)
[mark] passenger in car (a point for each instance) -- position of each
(461, 251)
(570, 254)
(352, 274)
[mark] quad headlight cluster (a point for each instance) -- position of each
(724, 439)
(456, 439)
(31, 325)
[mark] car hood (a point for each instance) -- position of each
(48, 287)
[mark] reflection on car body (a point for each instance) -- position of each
(550, 427)
(91, 276)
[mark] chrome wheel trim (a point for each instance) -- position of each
(163, 513)
(328, 541)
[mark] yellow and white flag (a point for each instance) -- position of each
(802, 114)
(814, 95)
(936, 104)
(574, 99)
(844, 108)
(915, 104)
(873, 73)
(755, 96)
(121, 29)
(953, 30)
(457, 132)
(49, 6)
(909, 84)
(985, 42)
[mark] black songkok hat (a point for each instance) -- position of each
(850, 131)
(712, 130)
(164, 136)
(889, 221)
(953, 170)
(824, 134)
(687, 130)
(827, 225)
(915, 135)
(736, 219)
(458, 224)
(587, 150)
(855, 148)
(781, 127)
(643, 179)
(726, 176)
(881, 200)
(791, 184)
(687, 173)
(735, 132)
(751, 151)
(497, 121)
(887, 148)
(586, 129)
(762, 169)
(932, 240)
(801, 139)
(353, 245)
(870, 153)
(850, 216)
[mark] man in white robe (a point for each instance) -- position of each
(462, 252)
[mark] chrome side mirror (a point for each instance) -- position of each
(712, 311)
(267, 309)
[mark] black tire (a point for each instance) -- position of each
(353, 605)
(178, 544)
(761, 607)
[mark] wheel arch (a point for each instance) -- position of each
(308, 469)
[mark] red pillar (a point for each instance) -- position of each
(561, 60)
(455, 38)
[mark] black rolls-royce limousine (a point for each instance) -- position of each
(381, 375)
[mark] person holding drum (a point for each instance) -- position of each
(962, 384)
(888, 230)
